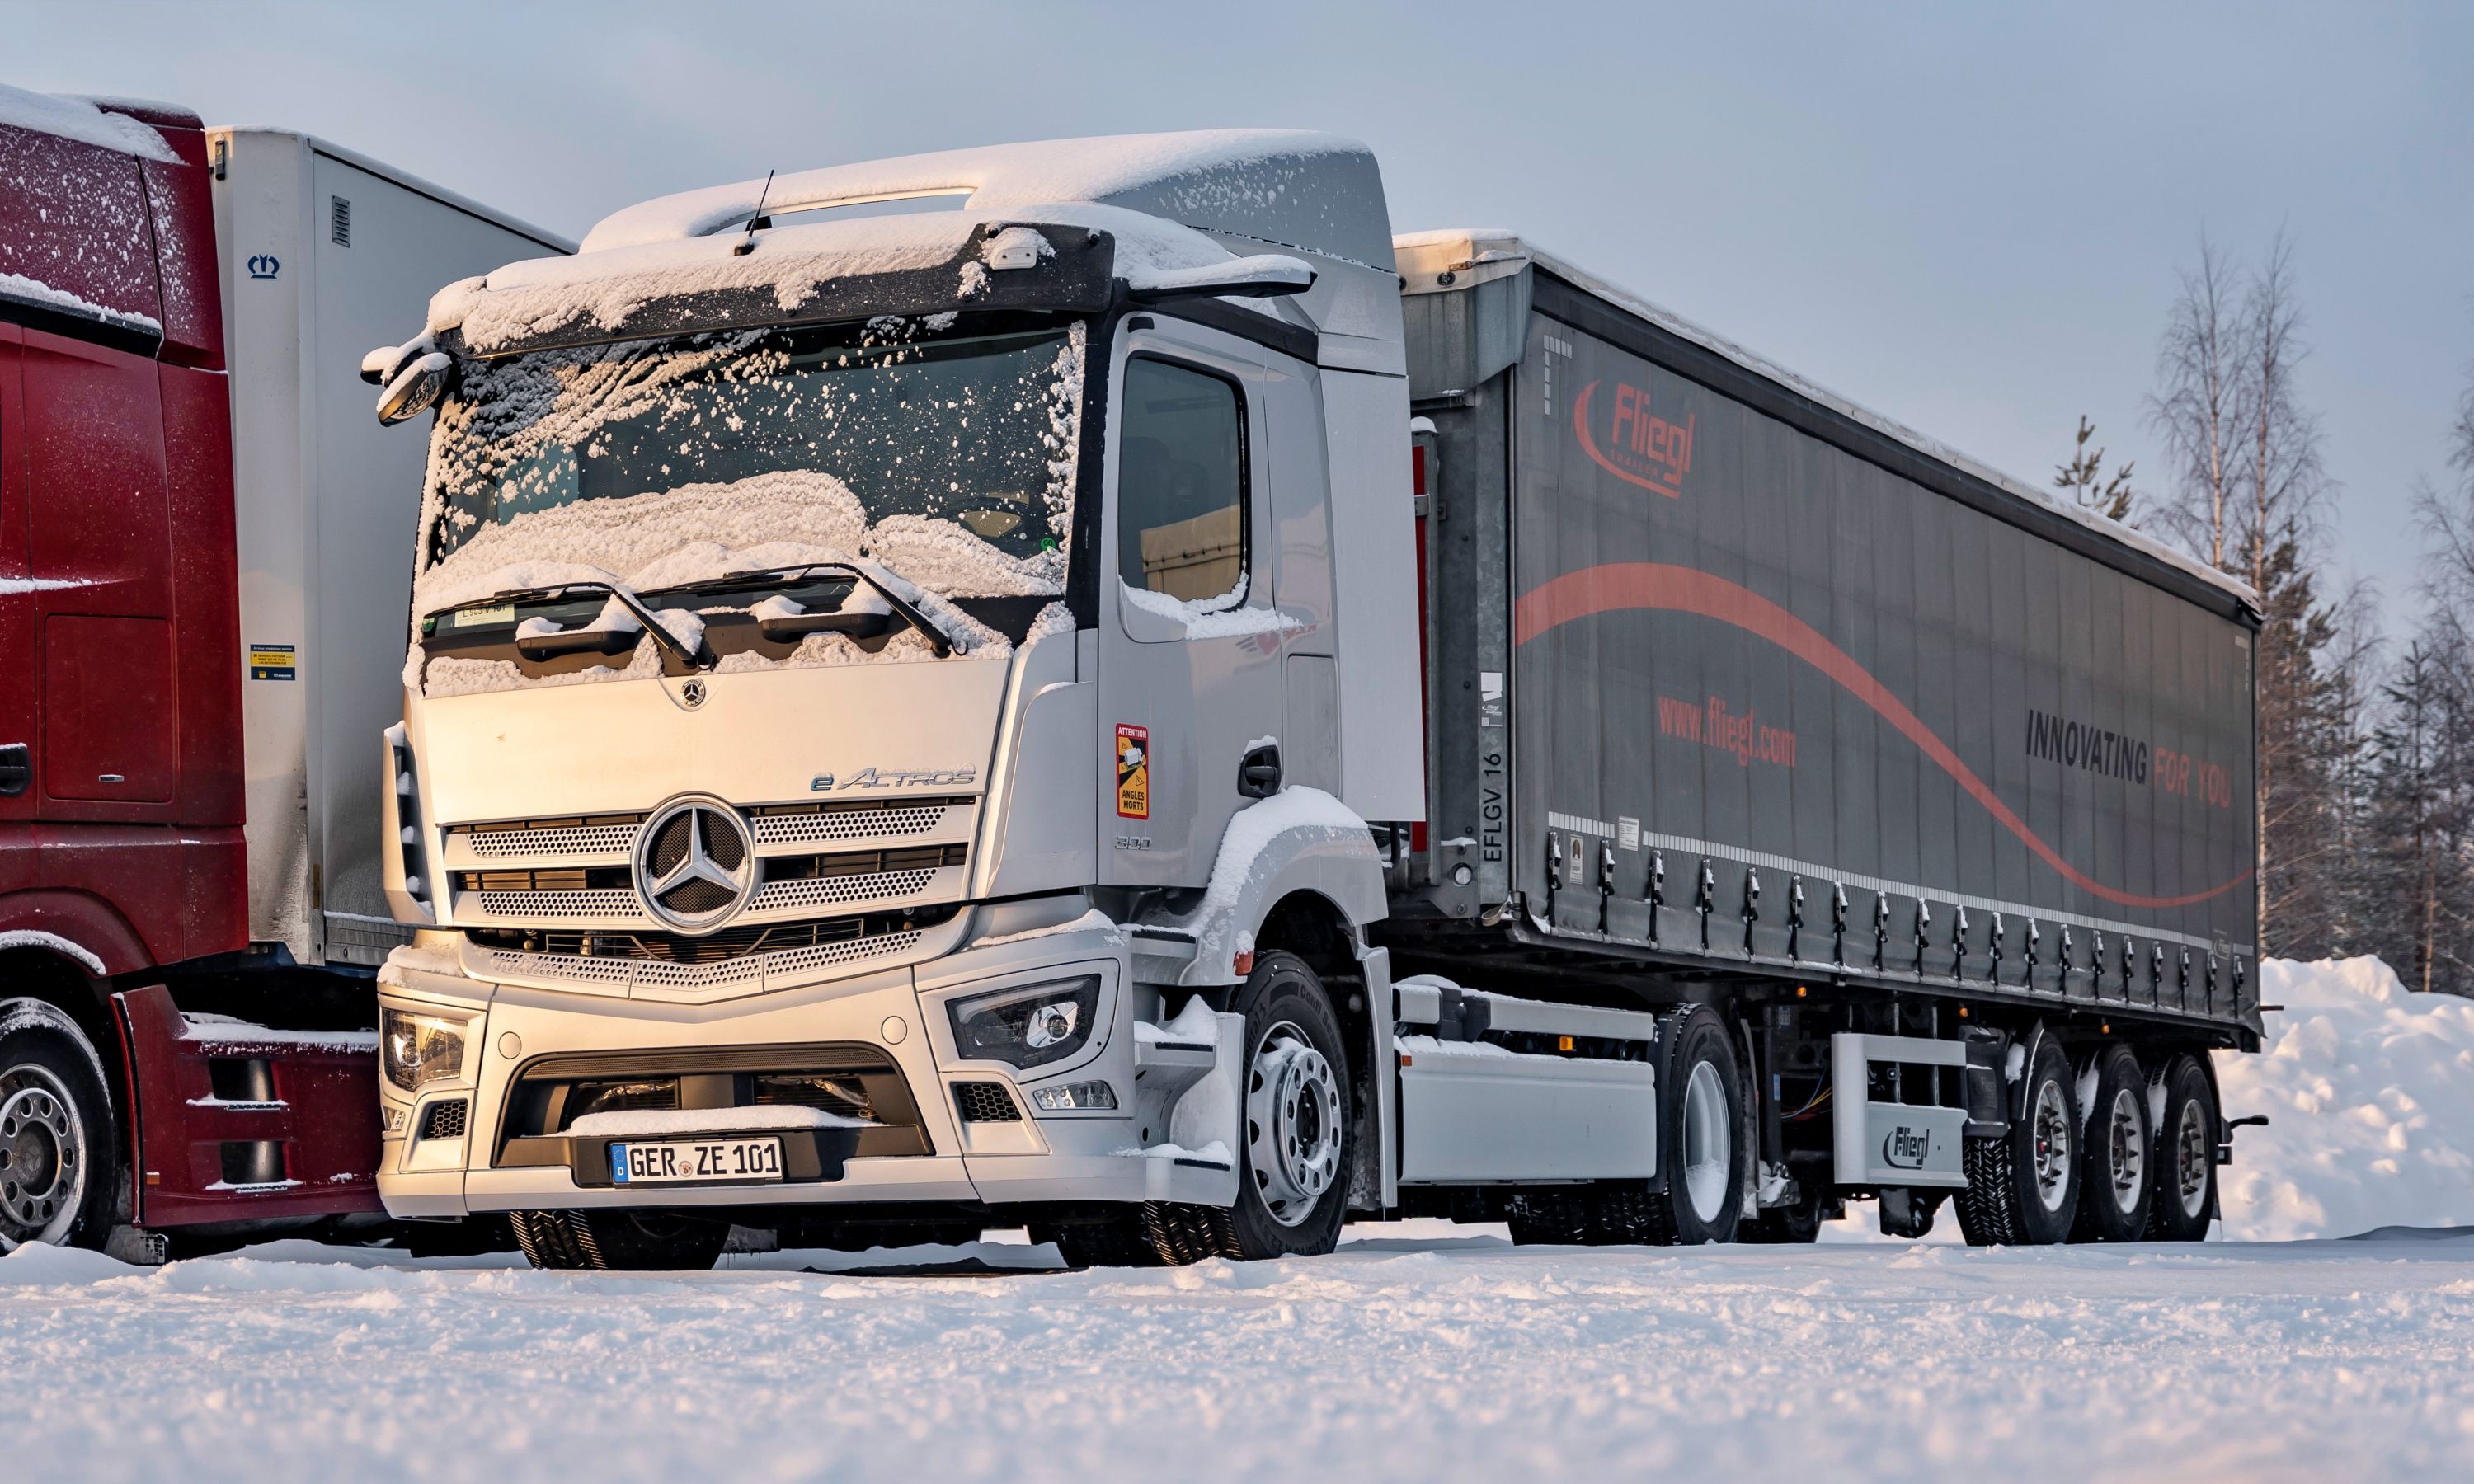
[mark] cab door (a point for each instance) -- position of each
(1190, 626)
(100, 554)
(18, 722)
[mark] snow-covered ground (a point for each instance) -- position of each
(1419, 1351)
(1414, 1353)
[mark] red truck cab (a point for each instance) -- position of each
(122, 860)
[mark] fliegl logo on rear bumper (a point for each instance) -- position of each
(1906, 1149)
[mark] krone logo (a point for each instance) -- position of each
(695, 866)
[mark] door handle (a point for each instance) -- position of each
(16, 769)
(1258, 773)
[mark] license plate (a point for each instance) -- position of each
(680, 1161)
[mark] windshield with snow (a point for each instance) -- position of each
(964, 432)
(683, 471)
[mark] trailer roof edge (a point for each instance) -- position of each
(1501, 244)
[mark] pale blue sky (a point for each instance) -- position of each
(1964, 215)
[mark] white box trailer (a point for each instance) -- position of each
(326, 253)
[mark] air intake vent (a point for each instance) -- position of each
(986, 1102)
(443, 1120)
(339, 217)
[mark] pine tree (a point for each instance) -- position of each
(2082, 478)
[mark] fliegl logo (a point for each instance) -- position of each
(1904, 1148)
(1640, 446)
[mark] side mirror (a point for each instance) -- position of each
(416, 388)
(1263, 275)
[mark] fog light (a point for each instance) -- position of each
(395, 1118)
(1074, 1096)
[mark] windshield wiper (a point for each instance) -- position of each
(938, 641)
(698, 659)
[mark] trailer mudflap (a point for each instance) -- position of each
(1886, 1131)
(241, 1122)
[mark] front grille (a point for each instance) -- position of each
(558, 905)
(835, 891)
(834, 1093)
(820, 824)
(986, 1102)
(444, 1120)
(596, 834)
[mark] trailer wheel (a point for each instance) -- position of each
(2115, 1178)
(1700, 1134)
(56, 1132)
(1297, 1132)
(2184, 1165)
(2023, 1188)
(619, 1240)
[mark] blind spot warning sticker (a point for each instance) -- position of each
(271, 661)
(1133, 773)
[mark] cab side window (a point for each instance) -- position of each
(1181, 482)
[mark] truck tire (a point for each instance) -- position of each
(1297, 1132)
(2023, 1188)
(2184, 1165)
(2114, 1177)
(57, 1137)
(1700, 1134)
(1150, 1234)
(623, 1241)
(1794, 1224)
(1564, 1216)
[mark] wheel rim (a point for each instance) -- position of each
(1293, 1124)
(2125, 1151)
(2192, 1159)
(1709, 1140)
(42, 1157)
(2051, 1127)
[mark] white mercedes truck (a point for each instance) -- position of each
(1087, 685)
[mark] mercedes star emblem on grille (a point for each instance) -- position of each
(694, 865)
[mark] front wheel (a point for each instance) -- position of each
(56, 1133)
(1296, 1130)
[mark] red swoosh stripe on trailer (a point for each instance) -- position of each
(1619, 585)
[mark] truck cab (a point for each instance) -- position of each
(884, 744)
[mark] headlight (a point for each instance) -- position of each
(1029, 1026)
(414, 1049)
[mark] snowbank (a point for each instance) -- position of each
(2370, 1092)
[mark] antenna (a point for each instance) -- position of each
(756, 223)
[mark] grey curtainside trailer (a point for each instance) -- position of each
(1729, 676)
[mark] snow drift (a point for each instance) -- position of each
(2370, 1092)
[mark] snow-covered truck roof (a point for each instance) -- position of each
(1165, 202)
(1474, 253)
